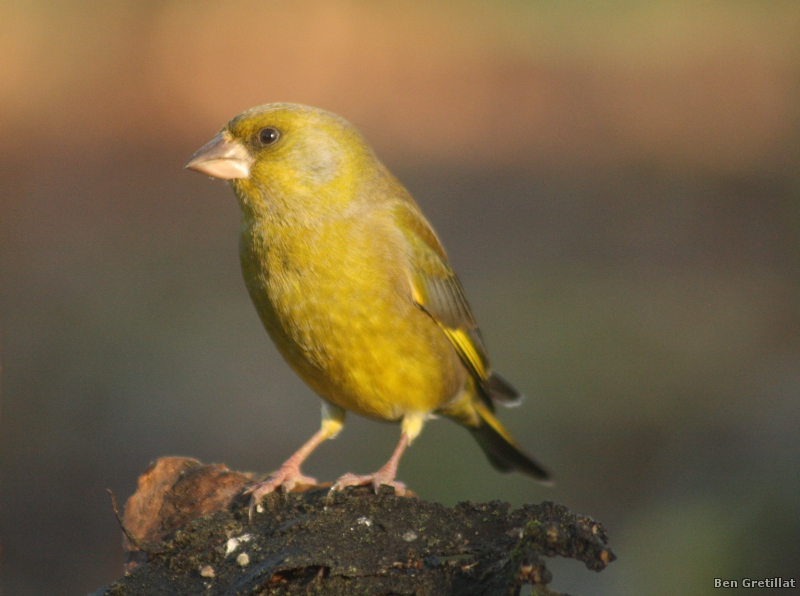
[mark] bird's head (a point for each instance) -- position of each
(289, 155)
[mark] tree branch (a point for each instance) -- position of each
(353, 542)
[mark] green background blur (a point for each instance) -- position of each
(616, 183)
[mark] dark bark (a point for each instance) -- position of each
(189, 533)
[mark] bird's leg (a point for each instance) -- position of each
(289, 475)
(411, 425)
(386, 475)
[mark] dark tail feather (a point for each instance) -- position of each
(502, 391)
(501, 449)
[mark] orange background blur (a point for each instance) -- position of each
(617, 184)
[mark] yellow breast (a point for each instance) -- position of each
(336, 300)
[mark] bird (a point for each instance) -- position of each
(355, 289)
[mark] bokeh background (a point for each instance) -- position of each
(616, 183)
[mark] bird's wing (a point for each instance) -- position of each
(437, 291)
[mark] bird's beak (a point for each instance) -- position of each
(222, 157)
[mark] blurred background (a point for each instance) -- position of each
(616, 183)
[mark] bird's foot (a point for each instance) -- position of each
(377, 480)
(286, 478)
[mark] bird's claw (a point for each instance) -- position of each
(285, 479)
(376, 480)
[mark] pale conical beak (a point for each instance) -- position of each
(222, 158)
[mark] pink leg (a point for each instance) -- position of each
(289, 475)
(386, 475)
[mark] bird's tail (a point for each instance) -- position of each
(500, 448)
(501, 391)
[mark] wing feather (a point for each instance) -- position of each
(437, 291)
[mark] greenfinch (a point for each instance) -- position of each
(354, 287)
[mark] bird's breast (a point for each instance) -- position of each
(337, 303)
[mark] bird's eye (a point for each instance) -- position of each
(269, 135)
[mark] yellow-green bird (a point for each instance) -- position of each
(354, 288)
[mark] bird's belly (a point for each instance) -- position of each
(359, 344)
